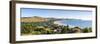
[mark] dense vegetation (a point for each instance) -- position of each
(36, 28)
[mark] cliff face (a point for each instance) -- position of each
(33, 19)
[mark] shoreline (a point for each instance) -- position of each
(59, 23)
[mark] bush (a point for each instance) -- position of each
(65, 29)
(86, 30)
(36, 32)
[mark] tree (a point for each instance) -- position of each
(65, 29)
(86, 30)
(90, 29)
(25, 29)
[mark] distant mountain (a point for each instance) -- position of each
(42, 19)
(33, 19)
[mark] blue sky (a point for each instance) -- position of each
(75, 14)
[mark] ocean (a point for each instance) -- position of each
(75, 23)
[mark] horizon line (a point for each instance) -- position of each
(59, 17)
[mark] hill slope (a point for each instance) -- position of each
(33, 19)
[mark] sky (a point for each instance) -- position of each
(56, 13)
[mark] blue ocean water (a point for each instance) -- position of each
(78, 23)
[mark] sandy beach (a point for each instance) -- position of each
(58, 22)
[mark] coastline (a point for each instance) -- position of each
(60, 23)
